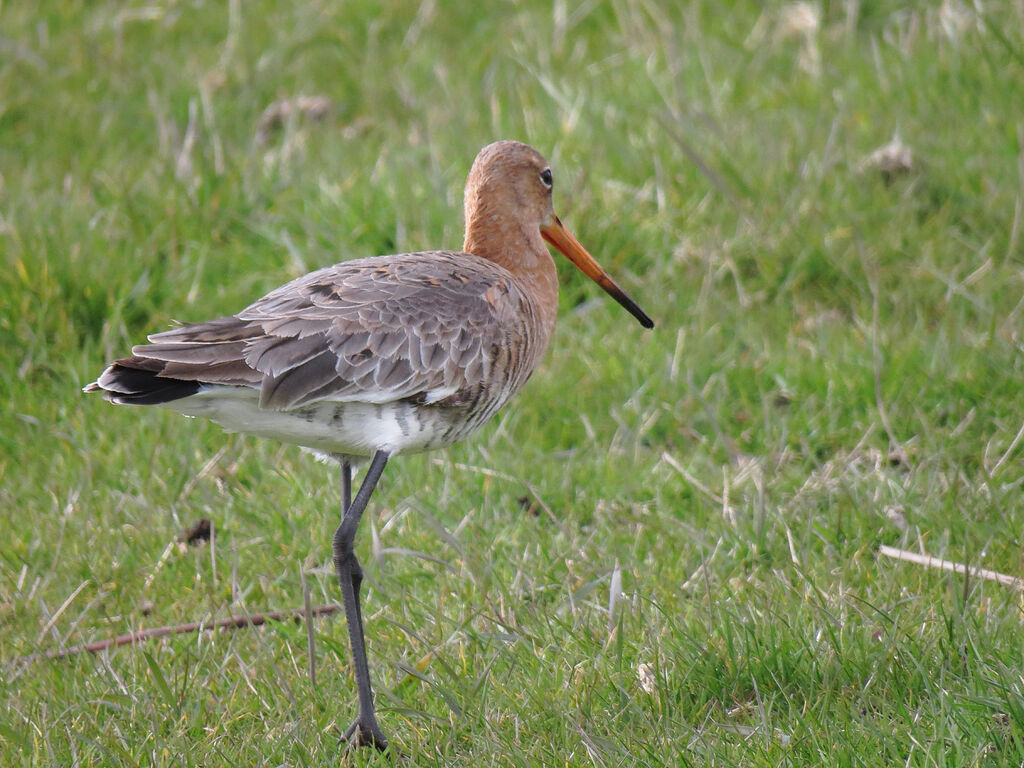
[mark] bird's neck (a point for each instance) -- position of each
(521, 250)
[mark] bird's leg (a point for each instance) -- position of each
(357, 569)
(346, 502)
(365, 730)
(346, 486)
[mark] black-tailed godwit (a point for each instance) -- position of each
(380, 356)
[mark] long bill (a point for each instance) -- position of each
(558, 236)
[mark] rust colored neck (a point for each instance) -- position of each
(518, 247)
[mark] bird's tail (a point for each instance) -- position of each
(136, 381)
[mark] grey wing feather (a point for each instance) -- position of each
(377, 330)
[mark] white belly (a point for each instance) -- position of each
(342, 428)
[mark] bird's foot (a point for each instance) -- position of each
(364, 734)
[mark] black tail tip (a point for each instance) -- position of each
(135, 382)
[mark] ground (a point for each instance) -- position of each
(667, 550)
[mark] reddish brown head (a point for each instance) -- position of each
(509, 213)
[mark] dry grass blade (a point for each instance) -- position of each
(950, 565)
(310, 637)
(53, 619)
(614, 595)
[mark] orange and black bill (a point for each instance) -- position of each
(556, 234)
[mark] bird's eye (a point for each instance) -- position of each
(545, 178)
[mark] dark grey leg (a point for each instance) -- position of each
(364, 731)
(346, 502)
(346, 486)
(357, 569)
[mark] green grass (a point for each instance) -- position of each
(836, 365)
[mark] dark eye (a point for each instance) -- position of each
(545, 178)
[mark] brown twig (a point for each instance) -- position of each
(231, 622)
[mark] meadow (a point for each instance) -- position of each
(667, 550)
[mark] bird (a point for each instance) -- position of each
(375, 357)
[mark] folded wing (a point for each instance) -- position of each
(418, 325)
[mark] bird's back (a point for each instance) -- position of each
(403, 353)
